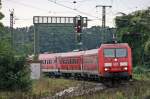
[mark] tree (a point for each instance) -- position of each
(134, 29)
(147, 47)
(14, 72)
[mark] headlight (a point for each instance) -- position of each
(125, 68)
(106, 69)
(123, 63)
(108, 64)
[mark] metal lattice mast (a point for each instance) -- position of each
(103, 14)
(11, 27)
(0, 4)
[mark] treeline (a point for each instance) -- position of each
(59, 39)
(134, 29)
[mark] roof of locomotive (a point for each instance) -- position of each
(92, 51)
(114, 45)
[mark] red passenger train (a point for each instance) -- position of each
(110, 60)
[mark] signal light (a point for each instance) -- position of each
(79, 30)
(79, 26)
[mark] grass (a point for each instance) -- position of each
(52, 85)
(138, 89)
(41, 88)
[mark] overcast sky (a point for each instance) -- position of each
(24, 10)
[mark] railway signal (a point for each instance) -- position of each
(55, 21)
(78, 29)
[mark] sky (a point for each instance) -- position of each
(24, 10)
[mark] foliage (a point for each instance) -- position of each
(14, 74)
(134, 29)
(147, 47)
(1, 16)
(56, 39)
(41, 88)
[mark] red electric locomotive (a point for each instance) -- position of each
(115, 60)
(110, 60)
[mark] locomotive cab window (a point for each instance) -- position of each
(109, 52)
(115, 52)
(121, 52)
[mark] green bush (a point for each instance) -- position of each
(14, 72)
(141, 70)
(147, 47)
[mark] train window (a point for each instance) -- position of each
(65, 61)
(118, 52)
(75, 61)
(43, 62)
(109, 52)
(70, 61)
(55, 61)
(121, 52)
(47, 62)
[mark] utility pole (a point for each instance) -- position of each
(36, 40)
(11, 27)
(0, 4)
(103, 14)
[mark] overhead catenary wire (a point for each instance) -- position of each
(84, 13)
(34, 7)
(26, 5)
(71, 1)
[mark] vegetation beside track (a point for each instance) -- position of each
(135, 90)
(139, 88)
(46, 87)
(41, 88)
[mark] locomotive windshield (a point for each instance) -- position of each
(109, 52)
(115, 52)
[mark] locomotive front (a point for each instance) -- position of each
(115, 60)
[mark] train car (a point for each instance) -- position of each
(70, 63)
(61, 63)
(90, 65)
(49, 63)
(110, 60)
